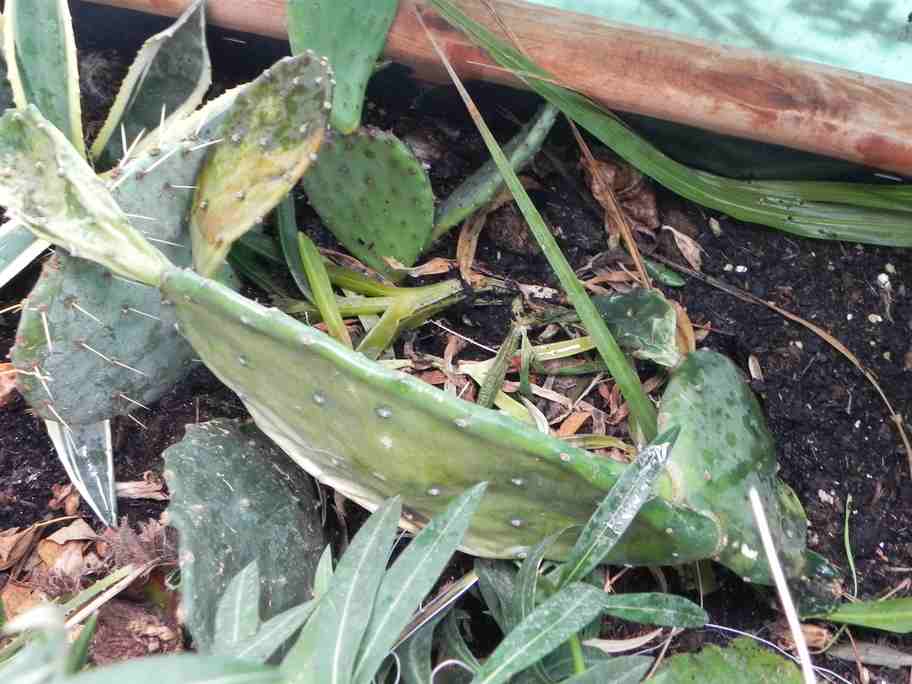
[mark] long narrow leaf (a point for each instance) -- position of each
(18, 248)
(415, 654)
(875, 214)
(182, 669)
(549, 625)
(641, 409)
(287, 226)
(665, 610)
(618, 509)
(87, 455)
(237, 616)
(321, 289)
(168, 79)
(40, 52)
(411, 577)
(328, 644)
(891, 615)
(274, 633)
(622, 670)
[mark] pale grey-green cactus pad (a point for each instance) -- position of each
(104, 346)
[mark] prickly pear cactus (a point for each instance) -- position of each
(270, 137)
(374, 195)
(93, 345)
(351, 35)
(236, 498)
(372, 433)
(725, 448)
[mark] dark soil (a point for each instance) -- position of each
(832, 431)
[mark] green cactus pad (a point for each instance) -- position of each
(236, 498)
(105, 346)
(725, 448)
(169, 77)
(270, 139)
(375, 197)
(373, 433)
(479, 188)
(351, 35)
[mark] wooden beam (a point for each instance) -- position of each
(740, 92)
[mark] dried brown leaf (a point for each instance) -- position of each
(688, 247)
(14, 544)
(78, 530)
(66, 497)
(573, 423)
(18, 598)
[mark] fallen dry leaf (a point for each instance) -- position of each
(435, 266)
(632, 190)
(573, 423)
(66, 560)
(150, 487)
(17, 598)
(78, 530)
(7, 383)
(14, 544)
(685, 337)
(690, 249)
(66, 497)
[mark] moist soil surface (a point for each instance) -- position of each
(833, 433)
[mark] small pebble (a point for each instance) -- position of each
(875, 318)
(890, 268)
(740, 269)
(728, 268)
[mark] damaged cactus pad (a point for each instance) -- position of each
(372, 433)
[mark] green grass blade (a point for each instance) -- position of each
(546, 628)
(329, 642)
(410, 578)
(237, 616)
(641, 408)
(875, 214)
(618, 509)
(78, 654)
(40, 52)
(890, 615)
(321, 289)
(288, 239)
